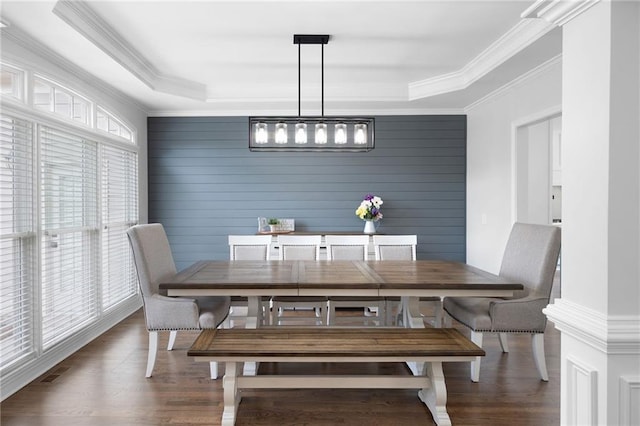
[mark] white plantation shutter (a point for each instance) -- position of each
(69, 251)
(17, 240)
(119, 212)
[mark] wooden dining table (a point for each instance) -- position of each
(409, 280)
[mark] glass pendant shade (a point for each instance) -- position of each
(281, 133)
(262, 136)
(301, 133)
(340, 135)
(321, 134)
(360, 134)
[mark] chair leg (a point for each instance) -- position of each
(504, 344)
(331, 315)
(446, 319)
(172, 339)
(226, 323)
(266, 312)
(476, 337)
(382, 313)
(274, 313)
(213, 367)
(388, 312)
(439, 315)
(537, 344)
(153, 349)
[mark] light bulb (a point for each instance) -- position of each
(340, 136)
(262, 136)
(301, 133)
(281, 133)
(321, 133)
(360, 136)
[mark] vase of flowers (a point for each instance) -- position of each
(369, 211)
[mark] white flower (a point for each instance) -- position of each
(369, 208)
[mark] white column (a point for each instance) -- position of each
(599, 312)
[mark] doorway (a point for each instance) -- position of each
(538, 171)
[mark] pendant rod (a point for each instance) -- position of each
(322, 77)
(299, 114)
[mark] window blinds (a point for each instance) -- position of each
(119, 199)
(17, 240)
(69, 247)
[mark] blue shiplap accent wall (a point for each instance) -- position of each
(205, 184)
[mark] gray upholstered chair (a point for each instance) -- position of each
(154, 264)
(352, 247)
(530, 257)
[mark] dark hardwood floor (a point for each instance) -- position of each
(104, 384)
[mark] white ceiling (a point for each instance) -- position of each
(238, 57)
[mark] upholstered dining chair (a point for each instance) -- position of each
(298, 247)
(530, 257)
(249, 247)
(154, 264)
(352, 247)
(402, 247)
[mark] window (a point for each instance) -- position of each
(68, 194)
(70, 233)
(17, 240)
(109, 123)
(11, 82)
(119, 212)
(51, 97)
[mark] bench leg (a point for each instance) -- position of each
(231, 394)
(435, 397)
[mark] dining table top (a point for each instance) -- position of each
(301, 277)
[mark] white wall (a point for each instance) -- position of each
(490, 180)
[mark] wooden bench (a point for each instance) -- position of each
(430, 346)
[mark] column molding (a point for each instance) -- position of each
(612, 335)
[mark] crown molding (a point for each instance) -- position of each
(557, 12)
(87, 22)
(513, 41)
(610, 334)
(22, 39)
(532, 73)
(271, 112)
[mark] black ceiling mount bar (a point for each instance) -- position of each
(311, 38)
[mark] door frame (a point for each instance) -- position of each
(516, 125)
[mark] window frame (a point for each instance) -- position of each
(24, 109)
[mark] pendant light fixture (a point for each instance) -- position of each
(328, 133)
